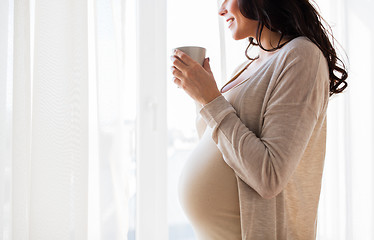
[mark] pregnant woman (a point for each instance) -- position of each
(256, 172)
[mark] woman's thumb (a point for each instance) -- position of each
(207, 65)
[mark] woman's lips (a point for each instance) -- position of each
(230, 21)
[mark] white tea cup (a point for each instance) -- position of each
(195, 52)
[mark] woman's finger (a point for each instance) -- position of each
(177, 82)
(177, 62)
(176, 72)
(184, 57)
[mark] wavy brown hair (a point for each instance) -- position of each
(294, 18)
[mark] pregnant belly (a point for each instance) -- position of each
(208, 192)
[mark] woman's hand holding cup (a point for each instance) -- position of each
(192, 73)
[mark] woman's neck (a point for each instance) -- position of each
(269, 40)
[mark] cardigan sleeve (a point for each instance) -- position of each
(199, 121)
(266, 162)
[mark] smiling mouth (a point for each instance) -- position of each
(230, 21)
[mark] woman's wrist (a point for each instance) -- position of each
(208, 100)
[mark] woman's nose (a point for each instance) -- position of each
(222, 11)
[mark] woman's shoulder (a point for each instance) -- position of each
(301, 46)
(298, 51)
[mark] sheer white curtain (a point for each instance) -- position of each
(48, 108)
(346, 208)
(5, 120)
(67, 151)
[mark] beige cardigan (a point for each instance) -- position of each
(274, 137)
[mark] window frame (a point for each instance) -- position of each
(151, 124)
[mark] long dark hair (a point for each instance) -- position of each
(294, 18)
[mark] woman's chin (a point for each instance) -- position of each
(237, 37)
